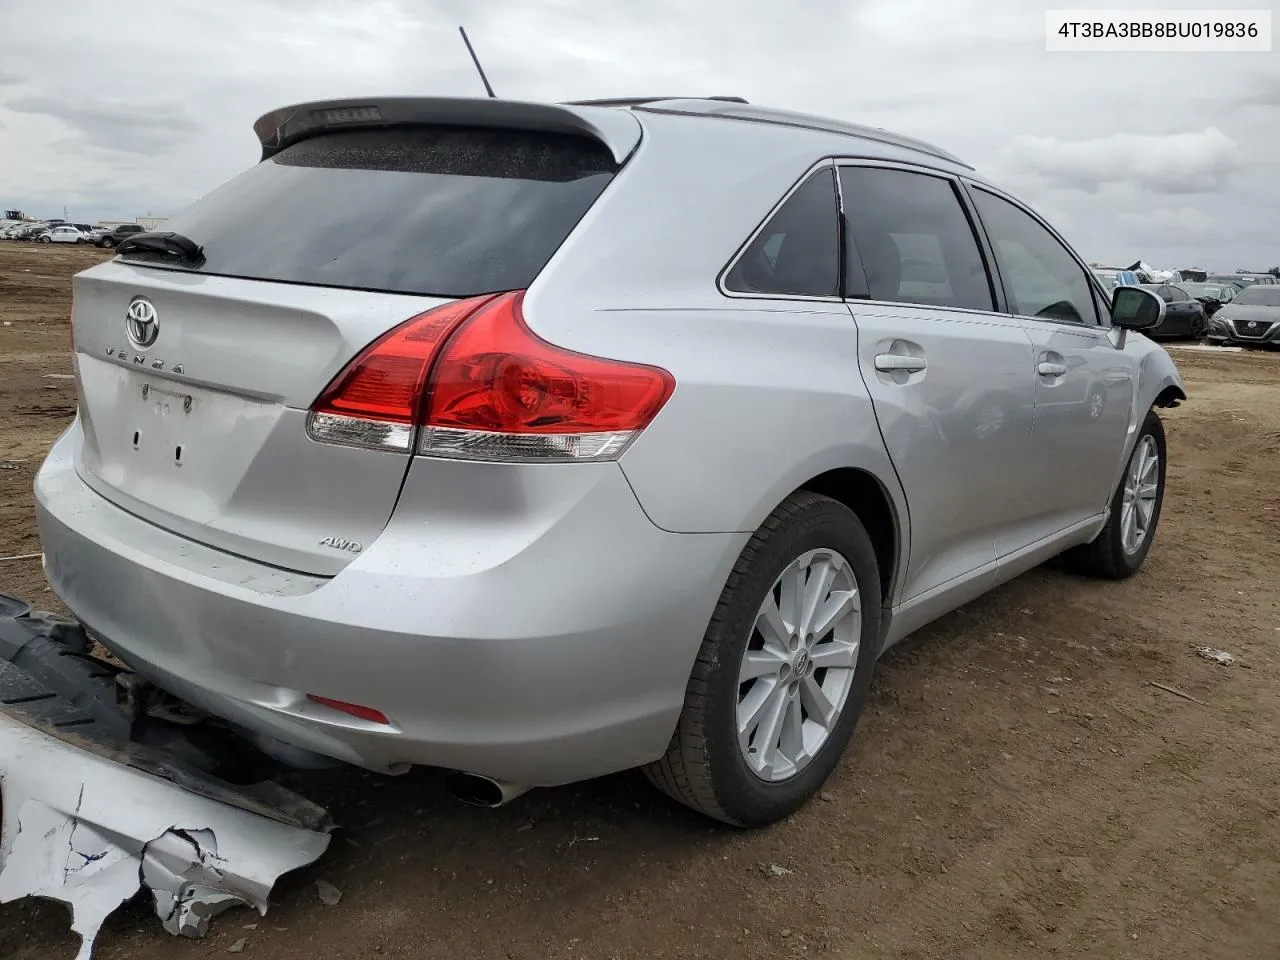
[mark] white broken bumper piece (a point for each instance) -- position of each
(90, 831)
(100, 799)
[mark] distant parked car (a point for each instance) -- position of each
(1112, 278)
(1234, 279)
(1252, 319)
(1184, 315)
(1213, 295)
(30, 231)
(113, 238)
(63, 233)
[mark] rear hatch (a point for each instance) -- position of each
(195, 379)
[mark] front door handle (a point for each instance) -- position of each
(886, 362)
(1047, 368)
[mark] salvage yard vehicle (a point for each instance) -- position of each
(117, 235)
(63, 233)
(521, 441)
(1252, 319)
(1213, 295)
(1185, 315)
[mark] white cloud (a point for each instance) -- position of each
(120, 108)
(1191, 162)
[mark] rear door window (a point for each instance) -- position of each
(439, 211)
(1042, 280)
(797, 252)
(912, 239)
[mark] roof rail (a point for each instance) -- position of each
(637, 101)
(741, 111)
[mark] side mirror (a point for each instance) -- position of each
(1133, 308)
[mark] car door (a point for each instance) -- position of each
(1186, 310)
(1084, 382)
(950, 377)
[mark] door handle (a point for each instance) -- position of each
(886, 362)
(1047, 368)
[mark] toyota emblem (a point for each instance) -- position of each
(140, 323)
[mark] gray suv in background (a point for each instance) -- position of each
(541, 441)
(117, 235)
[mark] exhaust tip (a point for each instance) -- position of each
(481, 791)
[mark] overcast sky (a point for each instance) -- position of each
(116, 110)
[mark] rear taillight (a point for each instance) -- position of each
(473, 382)
(376, 401)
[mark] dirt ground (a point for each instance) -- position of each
(1018, 787)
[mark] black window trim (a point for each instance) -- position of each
(825, 163)
(968, 184)
(966, 206)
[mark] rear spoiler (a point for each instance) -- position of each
(617, 130)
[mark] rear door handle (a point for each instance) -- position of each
(1048, 369)
(886, 362)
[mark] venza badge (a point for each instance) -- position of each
(141, 323)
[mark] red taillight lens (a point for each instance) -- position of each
(375, 401)
(492, 391)
(498, 391)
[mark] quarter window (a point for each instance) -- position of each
(1041, 278)
(912, 239)
(797, 254)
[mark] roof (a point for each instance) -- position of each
(737, 109)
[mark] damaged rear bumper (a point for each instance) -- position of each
(101, 798)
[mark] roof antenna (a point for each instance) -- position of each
(476, 61)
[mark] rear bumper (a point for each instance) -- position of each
(535, 627)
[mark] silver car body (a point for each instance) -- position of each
(537, 623)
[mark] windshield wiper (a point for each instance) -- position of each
(172, 244)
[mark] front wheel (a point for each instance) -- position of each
(783, 670)
(46, 240)
(1122, 546)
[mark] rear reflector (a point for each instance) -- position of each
(353, 709)
(473, 382)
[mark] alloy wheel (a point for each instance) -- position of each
(1141, 488)
(799, 664)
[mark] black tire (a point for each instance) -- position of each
(1106, 558)
(46, 240)
(703, 767)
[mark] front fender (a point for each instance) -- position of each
(1157, 384)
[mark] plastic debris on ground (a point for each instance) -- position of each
(100, 799)
(1217, 656)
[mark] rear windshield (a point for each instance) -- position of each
(1259, 295)
(447, 211)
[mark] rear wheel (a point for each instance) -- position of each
(783, 670)
(1122, 546)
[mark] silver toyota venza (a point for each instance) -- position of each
(540, 441)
